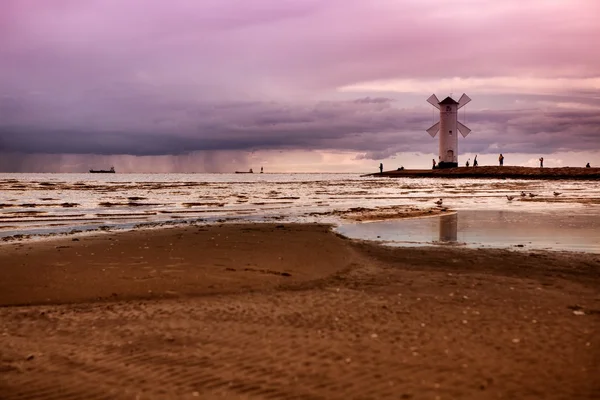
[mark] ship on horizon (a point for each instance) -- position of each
(103, 171)
(249, 172)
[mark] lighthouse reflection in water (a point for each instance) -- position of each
(448, 228)
(487, 228)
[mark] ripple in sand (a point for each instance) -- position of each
(126, 214)
(34, 205)
(188, 211)
(70, 218)
(23, 213)
(209, 204)
(381, 213)
(130, 204)
(15, 237)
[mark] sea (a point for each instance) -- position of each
(42, 206)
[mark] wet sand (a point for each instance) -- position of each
(488, 172)
(364, 214)
(292, 311)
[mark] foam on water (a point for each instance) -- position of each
(54, 203)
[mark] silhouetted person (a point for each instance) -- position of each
(501, 159)
(467, 163)
(261, 170)
(433, 163)
(381, 168)
(541, 162)
(475, 161)
(587, 165)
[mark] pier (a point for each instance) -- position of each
(496, 172)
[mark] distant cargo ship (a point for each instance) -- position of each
(103, 171)
(249, 172)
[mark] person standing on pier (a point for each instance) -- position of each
(501, 159)
(381, 168)
(433, 163)
(541, 162)
(475, 161)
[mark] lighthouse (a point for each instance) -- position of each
(448, 126)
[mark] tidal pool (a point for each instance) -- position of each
(566, 231)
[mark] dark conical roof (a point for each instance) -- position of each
(448, 100)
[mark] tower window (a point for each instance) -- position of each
(450, 133)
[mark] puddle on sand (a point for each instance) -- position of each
(498, 229)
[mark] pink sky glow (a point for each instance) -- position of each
(295, 85)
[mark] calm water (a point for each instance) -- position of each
(54, 203)
(579, 231)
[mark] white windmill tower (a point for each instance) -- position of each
(448, 126)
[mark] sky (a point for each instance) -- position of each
(293, 85)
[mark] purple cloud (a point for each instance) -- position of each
(155, 77)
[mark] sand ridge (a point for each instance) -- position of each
(192, 260)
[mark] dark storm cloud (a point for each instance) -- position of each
(168, 78)
(373, 128)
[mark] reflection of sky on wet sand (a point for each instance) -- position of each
(480, 228)
(48, 203)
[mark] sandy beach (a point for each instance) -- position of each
(268, 311)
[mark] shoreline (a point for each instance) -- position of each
(379, 213)
(255, 311)
(504, 172)
(44, 206)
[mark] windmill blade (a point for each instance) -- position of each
(464, 99)
(433, 100)
(434, 129)
(462, 128)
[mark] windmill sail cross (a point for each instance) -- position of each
(433, 100)
(464, 99)
(434, 129)
(463, 129)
